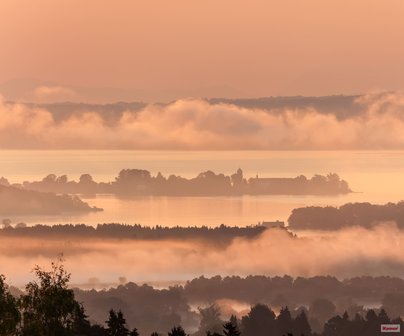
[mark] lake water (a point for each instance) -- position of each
(376, 176)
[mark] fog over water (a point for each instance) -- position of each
(375, 176)
(209, 168)
(346, 253)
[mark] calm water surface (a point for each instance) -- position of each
(377, 176)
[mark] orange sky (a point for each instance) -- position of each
(257, 47)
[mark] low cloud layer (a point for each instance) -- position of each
(197, 124)
(345, 253)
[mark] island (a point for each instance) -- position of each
(140, 182)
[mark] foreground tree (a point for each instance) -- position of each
(49, 308)
(231, 328)
(210, 320)
(284, 322)
(260, 321)
(116, 324)
(135, 332)
(302, 325)
(82, 326)
(177, 331)
(9, 314)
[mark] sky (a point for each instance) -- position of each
(171, 49)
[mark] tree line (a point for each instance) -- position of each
(321, 297)
(48, 307)
(222, 234)
(135, 182)
(365, 215)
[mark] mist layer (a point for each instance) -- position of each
(345, 253)
(197, 124)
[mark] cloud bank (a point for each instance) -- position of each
(197, 124)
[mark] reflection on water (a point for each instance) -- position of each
(183, 211)
(190, 211)
(377, 175)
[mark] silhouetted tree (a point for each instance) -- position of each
(209, 333)
(335, 326)
(177, 331)
(86, 179)
(49, 307)
(132, 182)
(95, 330)
(372, 321)
(284, 321)
(382, 317)
(301, 325)
(134, 332)
(259, 321)
(210, 320)
(116, 324)
(230, 329)
(81, 325)
(61, 179)
(9, 313)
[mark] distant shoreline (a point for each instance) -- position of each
(140, 182)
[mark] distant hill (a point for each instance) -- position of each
(339, 105)
(42, 91)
